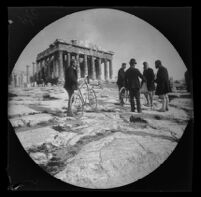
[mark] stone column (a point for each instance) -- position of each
(99, 69)
(33, 71)
(61, 70)
(36, 75)
(15, 80)
(110, 69)
(27, 72)
(40, 69)
(68, 59)
(106, 69)
(93, 68)
(48, 67)
(85, 66)
(55, 69)
(52, 69)
(37, 70)
(78, 66)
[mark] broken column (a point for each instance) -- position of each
(27, 72)
(33, 71)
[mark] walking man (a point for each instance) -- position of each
(149, 76)
(163, 85)
(121, 80)
(71, 83)
(133, 85)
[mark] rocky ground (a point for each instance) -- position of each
(103, 149)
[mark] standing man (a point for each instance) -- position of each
(121, 80)
(163, 85)
(149, 76)
(71, 83)
(133, 85)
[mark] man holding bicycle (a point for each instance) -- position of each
(71, 82)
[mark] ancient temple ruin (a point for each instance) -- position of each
(52, 62)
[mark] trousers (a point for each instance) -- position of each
(70, 93)
(135, 93)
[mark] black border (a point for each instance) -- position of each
(175, 174)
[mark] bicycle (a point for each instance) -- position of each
(124, 95)
(79, 100)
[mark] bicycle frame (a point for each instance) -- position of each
(85, 82)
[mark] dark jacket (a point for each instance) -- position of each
(162, 80)
(132, 78)
(149, 77)
(71, 79)
(121, 77)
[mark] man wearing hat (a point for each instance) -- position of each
(71, 83)
(163, 85)
(149, 76)
(133, 85)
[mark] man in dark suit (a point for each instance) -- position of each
(71, 83)
(163, 85)
(121, 80)
(149, 76)
(133, 85)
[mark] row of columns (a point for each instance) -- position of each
(57, 63)
(19, 79)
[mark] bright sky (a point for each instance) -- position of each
(113, 30)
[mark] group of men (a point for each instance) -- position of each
(130, 79)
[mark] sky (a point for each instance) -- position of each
(112, 30)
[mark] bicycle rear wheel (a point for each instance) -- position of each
(123, 95)
(76, 105)
(92, 99)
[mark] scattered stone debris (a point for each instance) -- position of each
(157, 117)
(137, 119)
(48, 97)
(106, 148)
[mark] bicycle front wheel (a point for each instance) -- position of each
(92, 99)
(76, 105)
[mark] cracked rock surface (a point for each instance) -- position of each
(106, 148)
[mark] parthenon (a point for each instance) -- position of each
(52, 62)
